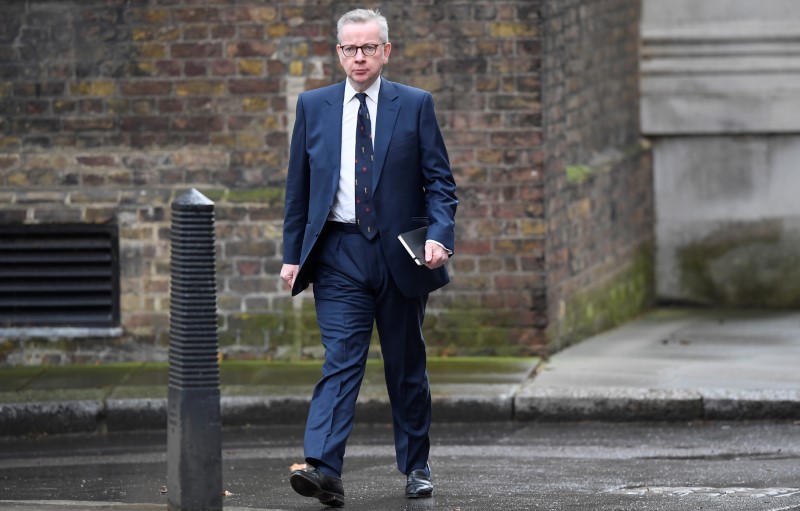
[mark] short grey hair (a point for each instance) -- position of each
(364, 16)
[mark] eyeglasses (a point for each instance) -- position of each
(367, 49)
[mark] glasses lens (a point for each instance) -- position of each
(368, 50)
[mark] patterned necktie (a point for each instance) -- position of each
(365, 213)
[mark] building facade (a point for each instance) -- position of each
(111, 109)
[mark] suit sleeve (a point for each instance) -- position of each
(440, 187)
(297, 190)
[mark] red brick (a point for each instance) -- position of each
(96, 160)
(195, 32)
(518, 246)
(463, 265)
(145, 88)
(212, 123)
(524, 281)
(195, 15)
(43, 125)
(248, 267)
(170, 106)
(473, 247)
(39, 89)
(194, 68)
(251, 32)
(195, 50)
(223, 67)
(89, 124)
(251, 49)
(8, 161)
(223, 31)
(516, 138)
(471, 282)
(95, 215)
(254, 86)
(168, 68)
(143, 123)
(261, 214)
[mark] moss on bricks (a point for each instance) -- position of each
(226, 338)
(464, 329)
(257, 195)
(252, 329)
(298, 331)
(577, 174)
(293, 333)
(606, 305)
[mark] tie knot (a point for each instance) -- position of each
(362, 97)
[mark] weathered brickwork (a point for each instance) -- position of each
(598, 172)
(110, 109)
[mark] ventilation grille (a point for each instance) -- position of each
(59, 276)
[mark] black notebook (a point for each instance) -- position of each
(414, 241)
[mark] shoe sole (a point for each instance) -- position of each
(419, 495)
(309, 488)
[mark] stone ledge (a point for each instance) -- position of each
(707, 76)
(619, 404)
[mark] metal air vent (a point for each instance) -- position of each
(58, 275)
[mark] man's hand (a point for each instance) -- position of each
(289, 273)
(435, 255)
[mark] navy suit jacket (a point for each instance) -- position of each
(412, 181)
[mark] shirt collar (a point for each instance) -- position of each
(372, 91)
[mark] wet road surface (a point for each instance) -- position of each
(488, 466)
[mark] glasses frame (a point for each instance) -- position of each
(341, 47)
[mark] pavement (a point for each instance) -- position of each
(668, 365)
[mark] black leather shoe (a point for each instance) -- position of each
(328, 489)
(418, 484)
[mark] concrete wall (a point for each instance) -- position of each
(721, 102)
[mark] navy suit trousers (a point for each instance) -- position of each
(353, 290)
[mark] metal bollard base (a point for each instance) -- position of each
(194, 473)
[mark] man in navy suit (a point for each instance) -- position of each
(346, 203)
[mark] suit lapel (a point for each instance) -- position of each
(332, 126)
(388, 108)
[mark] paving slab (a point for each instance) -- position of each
(681, 364)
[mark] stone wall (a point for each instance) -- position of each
(110, 109)
(720, 96)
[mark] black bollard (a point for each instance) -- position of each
(194, 435)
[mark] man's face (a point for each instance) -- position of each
(362, 70)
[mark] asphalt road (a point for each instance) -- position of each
(492, 466)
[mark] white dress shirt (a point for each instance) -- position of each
(344, 207)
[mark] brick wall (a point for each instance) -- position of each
(598, 180)
(110, 109)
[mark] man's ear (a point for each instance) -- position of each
(387, 49)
